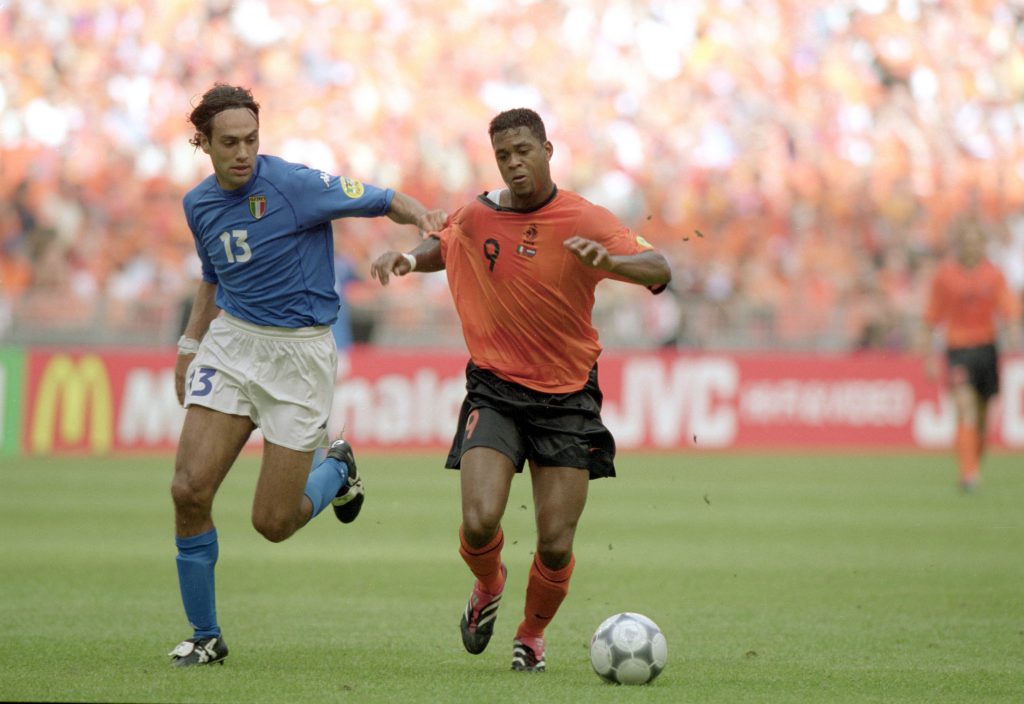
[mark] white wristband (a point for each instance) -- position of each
(187, 345)
(411, 258)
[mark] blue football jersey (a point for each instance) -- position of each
(269, 245)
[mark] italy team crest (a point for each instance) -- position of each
(257, 206)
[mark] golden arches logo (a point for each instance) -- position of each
(80, 391)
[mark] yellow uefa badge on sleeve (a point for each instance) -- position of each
(644, 243)
(352, 188)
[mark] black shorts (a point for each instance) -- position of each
(553, 430)
(979, 364)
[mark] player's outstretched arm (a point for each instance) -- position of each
(1014, 336)
(406, 210)
(928, 346)
(1012, 329)
(426, 257)
(647, 268)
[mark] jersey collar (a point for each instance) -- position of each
(505, 209)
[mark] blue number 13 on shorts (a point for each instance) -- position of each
(200, 384)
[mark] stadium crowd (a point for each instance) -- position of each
(799, 161)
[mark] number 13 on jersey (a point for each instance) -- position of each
(235, 247)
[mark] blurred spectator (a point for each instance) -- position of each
(344, 274)
(821, 148)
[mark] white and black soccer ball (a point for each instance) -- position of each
(628, 648)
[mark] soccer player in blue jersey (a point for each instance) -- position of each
(258, 349)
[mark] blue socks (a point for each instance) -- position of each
(197, 556)
(324, 482)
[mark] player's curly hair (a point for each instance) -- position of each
(518, 117)
(219, 98)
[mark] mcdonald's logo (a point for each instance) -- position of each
(79, 391)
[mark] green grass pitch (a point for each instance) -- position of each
(776, 578)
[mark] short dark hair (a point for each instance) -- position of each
(216, 100)
(518, 117)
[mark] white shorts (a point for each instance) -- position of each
(281, 378)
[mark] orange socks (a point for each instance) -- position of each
(968, 449)
(485, 562)
(545, 591)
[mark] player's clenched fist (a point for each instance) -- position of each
(431, 221)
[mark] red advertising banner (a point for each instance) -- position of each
(119, 400)
(99, 400)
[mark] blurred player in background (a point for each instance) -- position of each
(522, 264)
(258, 349)
(968, 297)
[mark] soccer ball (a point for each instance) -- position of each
(628, 648)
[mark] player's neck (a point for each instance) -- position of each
(536, 199)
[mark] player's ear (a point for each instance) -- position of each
(204, 142)
(550, 149)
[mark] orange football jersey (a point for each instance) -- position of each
(524, 300)
(968, 301)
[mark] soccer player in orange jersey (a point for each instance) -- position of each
(968, 296)
(522, 264)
